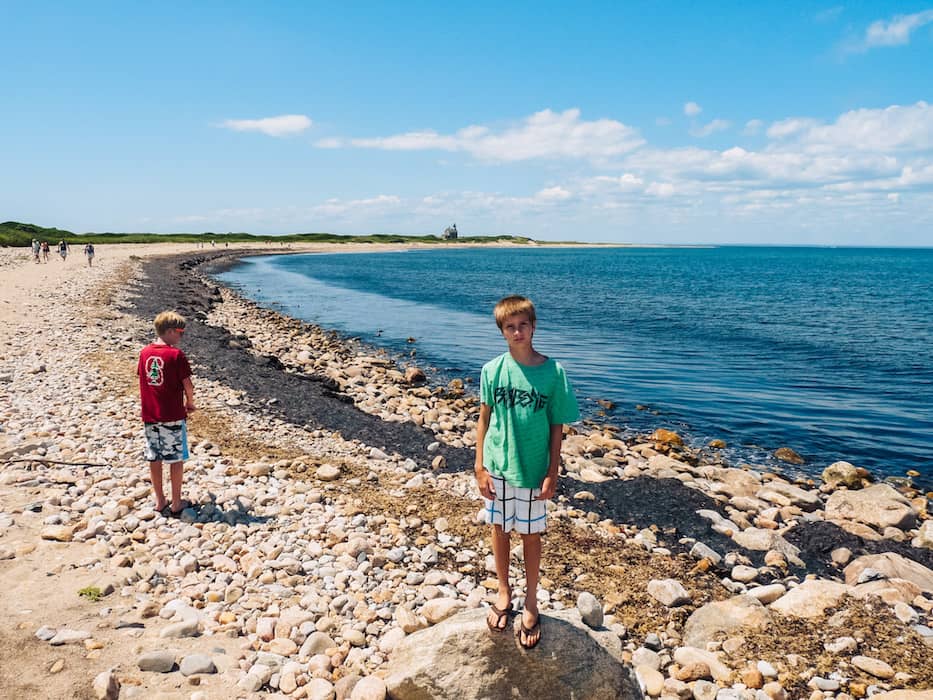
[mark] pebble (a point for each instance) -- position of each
(106, 686)
(646, 657)
(156, 661)
(591, 610)
(841, 645)
(703, 551)
(668, 592)
(327, 472)
(369, 688)
(45, 633)
(185, 628)
(873, 667)
(653, 642)
(705, 690)
(744, 574)
(650, 680)
(197, 663)
(320, 689)
(767, 670)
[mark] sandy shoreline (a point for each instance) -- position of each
(261, 443)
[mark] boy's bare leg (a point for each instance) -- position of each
(531, 546)
(500, 552)
(176, 469)
(155, 477)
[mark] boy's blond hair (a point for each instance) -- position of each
(510, 306)
(168, 320)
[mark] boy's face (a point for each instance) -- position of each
(518, 331)
(173, 336)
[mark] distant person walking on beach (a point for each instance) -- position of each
(63, 250)
(45, 251)
(525, 401)
(167, 397)
(36, 249)
(89, 254)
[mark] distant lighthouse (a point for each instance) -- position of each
(450, 233)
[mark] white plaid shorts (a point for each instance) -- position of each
(515, 508)
(166, 442)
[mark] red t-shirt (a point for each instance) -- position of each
(161, 370)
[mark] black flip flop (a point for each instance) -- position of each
(494, 626)
(528, 631)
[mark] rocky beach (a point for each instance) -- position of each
(332, 549)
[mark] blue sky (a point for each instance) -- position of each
(676, 123)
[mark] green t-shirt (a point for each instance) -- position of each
(526, 401)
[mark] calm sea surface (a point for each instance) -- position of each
(828, 351)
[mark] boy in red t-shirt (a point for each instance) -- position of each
(167, 397)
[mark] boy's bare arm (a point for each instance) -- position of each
(483, 478)
(189, 394)
(549, 485)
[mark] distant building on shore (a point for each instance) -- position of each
(450, 233)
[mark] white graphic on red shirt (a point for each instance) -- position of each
(154, 374)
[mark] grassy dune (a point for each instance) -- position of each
(14, 233)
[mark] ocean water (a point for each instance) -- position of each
(827, 351)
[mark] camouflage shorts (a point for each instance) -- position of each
(166, 442)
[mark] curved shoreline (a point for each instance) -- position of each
(303, 541)
(349, 409)
(893, 462)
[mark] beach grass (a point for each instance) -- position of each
(15, 234)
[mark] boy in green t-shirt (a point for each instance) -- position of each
(525, 401)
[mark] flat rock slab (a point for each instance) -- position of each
(69, 637)
(725, 617)
(880, 506)
(462, 659)
(891, 566)
(811, 598)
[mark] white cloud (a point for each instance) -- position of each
(895, 31)
(660, 189)
(283, 125)
(711, 128)
(553, 194)
(545, 134)
(691, 109)
(627, 182)
(339, 207)
(789, 127)
(898, 127)
(805, 172)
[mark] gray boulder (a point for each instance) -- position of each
(880, 506)
(891, 566)
(842, 473)
(784, 494)
(461, 659)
